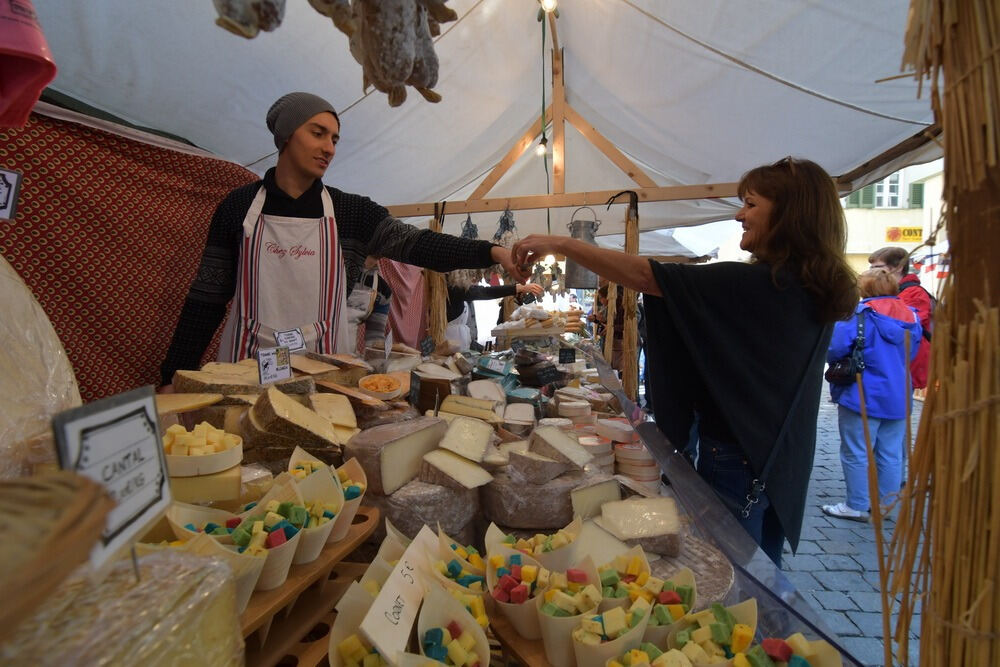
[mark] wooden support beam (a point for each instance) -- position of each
(608, 148)
(567, 200)
(926, 135)
(555, 33)
(558, 121)
(506, 163)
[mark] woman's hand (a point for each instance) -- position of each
(502, 256)
(534, 248)
(534, 288)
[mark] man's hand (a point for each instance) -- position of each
(534, 288)
(535, 247)
(502, 256)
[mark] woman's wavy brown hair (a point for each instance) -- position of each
(807, 234)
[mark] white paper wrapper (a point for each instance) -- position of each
(611, 603)
(351, 610)
(597, 656)
(557, 632)
(345, 517)
(246, 568)
(279, 559)
(414, 660)
(322, 488)
(181, 514)
(300, 455)
(448, 554)
(284, 490)
(524, 617)
(378, 571)
(657, 634)
(744, 612)
(494, 537)
(396, 534)
(439, 609)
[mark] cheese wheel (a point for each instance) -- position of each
(511, 502)
(634, 453)
(418, 503)
(534, 468)
(391, 454)
(616, 430)
(574, 408)
(279, 414)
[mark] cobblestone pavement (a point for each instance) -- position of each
(836, 567)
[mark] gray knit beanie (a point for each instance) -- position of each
(291, 111)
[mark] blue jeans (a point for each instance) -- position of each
(887, 442)
(724, 467)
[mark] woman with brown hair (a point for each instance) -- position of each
(740, 346)
(884, 322)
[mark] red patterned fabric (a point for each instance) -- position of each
(407, 311)
(108, 235)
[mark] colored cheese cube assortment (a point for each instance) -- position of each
(625, 578)
(279, 523)
(451, 645)
(516, 582)
(474, 604)
(610, 625)
(303, 469)
(717, 637)
(352, 488)
(454, 570)
(649, 655)
(569, 593)
(540, 543)
(202, 440)
(356, 652)
(772, 652)
(470, 554)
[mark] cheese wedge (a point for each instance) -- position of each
(304, 364)
(534, 468)
(588, 498)
(470, 407)
(170, 403)
(279, 414)
(336, 408)
(391, 454)
(468, 437)
(553, 442)
(446, 468)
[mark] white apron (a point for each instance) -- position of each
(458, 329)
(290, 285)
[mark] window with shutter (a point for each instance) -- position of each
(854, 199)
(868, 196)
(916, 195)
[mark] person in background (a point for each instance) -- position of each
(887, 323)
(291, 249)
(457, 310)
(740, 346)
(896, 261)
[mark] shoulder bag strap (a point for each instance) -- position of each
(759, 484)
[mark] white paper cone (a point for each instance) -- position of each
(351, 610)
(345, 518)
(279, 559)
(523, 617)
(744, 612)
(597, 656)
(611, 603)
(378, 571)
(494, 537)
(558, 560)
(439, 609)
(447, 554)
(284, 490)
(318, 487)
(557, 632)
(181, 514)
(246, 568)
(397, 535)
(658, 634)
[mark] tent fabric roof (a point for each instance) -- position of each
(694, 92)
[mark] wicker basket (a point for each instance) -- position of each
(49, 524)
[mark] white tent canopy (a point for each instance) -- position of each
(693, 92)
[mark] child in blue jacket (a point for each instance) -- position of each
(887, 388)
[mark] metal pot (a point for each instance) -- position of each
(577, 276)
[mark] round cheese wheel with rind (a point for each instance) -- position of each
(514, 503)
(418, 503)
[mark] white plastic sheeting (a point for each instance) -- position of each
(694, 91)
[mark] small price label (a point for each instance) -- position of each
(549, 374)
(496, 365)
(567, 355)
(427, 346)
(273, 364)
(292, 339)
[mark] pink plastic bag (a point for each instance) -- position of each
(26, 64)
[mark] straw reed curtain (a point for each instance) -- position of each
(437, 289)
(630, 339)
(610, 316)
(945, 553)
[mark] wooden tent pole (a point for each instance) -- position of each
(609, 323)
(630, 353)
(437, 290)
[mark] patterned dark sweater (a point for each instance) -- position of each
(364, 228)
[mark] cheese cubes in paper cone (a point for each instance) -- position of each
(558, 598)
(705, 636)
(442, 611)
(467, 556)
(347, 644)
(523, 615)
(556, 551)
(674, 607)
(182, 611)
(625, 574)
(324, 500)
(796, 651)
(352, 479)
(188, 521)
(602, 637)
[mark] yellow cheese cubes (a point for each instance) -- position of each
(202, 440)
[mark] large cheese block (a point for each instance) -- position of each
(616, 430)
(449, 469)
(434, 370)
(219, 383)
(555, 443)
(358, 398)
(279, 414)
(340, 360)
(520, 412)
(220, 486)
(470, 407)
(588, 498)
(634, 453)
(225, 417)
(488, 390)
(505, 448)
(391, 454)
(418, 503)
(652, 523)
(574, 408)
(561, 422)
(171, 403)
(511, 502)
(335, 408)
(246, 368)
(596, 445)
(255, 435)
(468, 437)
(534, 468)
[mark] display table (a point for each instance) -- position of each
(515, 647)
(276, 621)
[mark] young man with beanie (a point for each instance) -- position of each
(287, 250)
(896, 261)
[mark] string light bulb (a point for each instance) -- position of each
(549, 5)
(542, 148)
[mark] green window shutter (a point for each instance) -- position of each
(868, 196)
(854, 199)
(916, 195)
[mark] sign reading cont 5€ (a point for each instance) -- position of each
(904, 234)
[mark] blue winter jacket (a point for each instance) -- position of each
(886, 384)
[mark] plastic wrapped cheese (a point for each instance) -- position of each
(419, 503)
(514, 503)
(181, 612)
